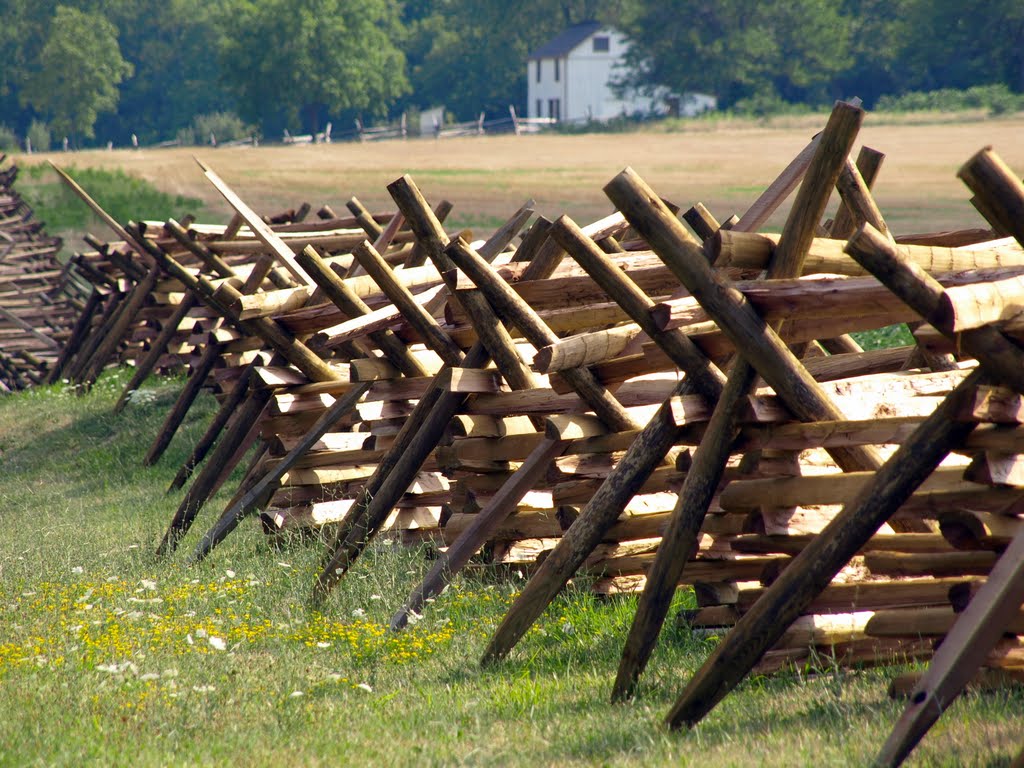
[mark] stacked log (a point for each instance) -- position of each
(656, 409)
(38, 302)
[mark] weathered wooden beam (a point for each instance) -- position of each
(193, 386)
(413, 311)
(79, 333)
(705, 377)
(157, 349)
(995, 184)
(220, 420)
(338, 291)
(747, 251)
(229, 449)
(469, 542)
(263, 232)
(963, 650)
(869, 164)
(813, 569)
(513, 309)
(260, 492)
(680, 540)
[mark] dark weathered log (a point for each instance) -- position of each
(998, 188)
(701, 221)
(481, 529)
(220, 420)
(812, 570)
(80, 363)
(187, 396)
(869, 163)
(705, 474)
(260, 492)
(962, 651)
(79, 333)
(157, 349)
(1000, 356)
(607, 503)
(224, 458)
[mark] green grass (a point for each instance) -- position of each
(123, 196)
(110, 655)
(881, 338)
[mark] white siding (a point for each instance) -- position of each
(547, 89)
(582, 89)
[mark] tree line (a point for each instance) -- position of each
(99, 70)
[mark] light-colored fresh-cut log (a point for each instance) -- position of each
(999, 356)
(743, 250)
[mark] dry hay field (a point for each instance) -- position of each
(487, 177)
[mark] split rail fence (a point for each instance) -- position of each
(634, 404)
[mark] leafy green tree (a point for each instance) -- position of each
(79, 70)
(301, 59)
(737, 50)
(953, 45)
(173, 48)
(470, 55)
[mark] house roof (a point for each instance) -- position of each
(562, 43)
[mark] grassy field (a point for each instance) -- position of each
(110, 655)
(723, 165)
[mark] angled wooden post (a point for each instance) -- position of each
(237, 435)
(157, 349)
(962, 651)
(220, 420)
(79, 333)
(258, 494)
(259, 228)
(197, 378)
(813, 569)
(422, 431)
(335, 288)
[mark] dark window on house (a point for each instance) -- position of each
(601, 44)
(538, 70)
(540, 108)
(558, 70)
(555, 109)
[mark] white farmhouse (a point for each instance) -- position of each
(569, 77)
